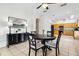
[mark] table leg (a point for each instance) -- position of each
(45, 50)
(49, 47)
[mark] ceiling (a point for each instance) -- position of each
(56, 11)
(71, 10)
(68, 12)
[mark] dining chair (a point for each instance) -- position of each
(55, 44)
(34, 44)
(33, 32)
(49, 33)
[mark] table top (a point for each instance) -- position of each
(44, 37)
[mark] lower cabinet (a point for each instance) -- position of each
(76, 34)
(16, 38)
(69, 32)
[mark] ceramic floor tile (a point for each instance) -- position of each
(68, 47)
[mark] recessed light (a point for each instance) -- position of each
(72, 16)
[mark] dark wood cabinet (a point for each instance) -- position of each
(16, 38)
(15, 26)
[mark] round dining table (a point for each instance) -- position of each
(44, 38)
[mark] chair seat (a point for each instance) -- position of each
(38, 45)
(51, 43)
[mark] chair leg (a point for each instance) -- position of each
(36, 53)
(49, 47)
(43, 50)
(56, 51)
(29, 51)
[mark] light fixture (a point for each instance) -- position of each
(45, 5)
(72, 16)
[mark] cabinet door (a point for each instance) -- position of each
(9, 38)
(19, 38)
(76, 34)
(68, 32)
(15, 38)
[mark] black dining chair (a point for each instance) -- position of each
(33, 32)
(55, 44)
(34, 44)
(49, 33)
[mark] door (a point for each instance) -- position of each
(52, 30)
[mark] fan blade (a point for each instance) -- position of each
(51, 3)
(39, 6)
(63, 4)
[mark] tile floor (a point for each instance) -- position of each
(68, 47)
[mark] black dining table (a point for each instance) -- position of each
(44, 38)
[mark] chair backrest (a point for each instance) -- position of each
(49, 33)
(31, 39)
(33, 32)
(58, 38)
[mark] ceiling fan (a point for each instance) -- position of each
(45, 5)
(64, 4)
